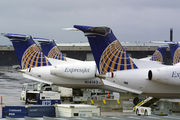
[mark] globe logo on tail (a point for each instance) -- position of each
(157, 56)
(115, 58)
(176, 58)
(33, 57)
(56, 54)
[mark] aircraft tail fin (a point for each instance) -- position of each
(28, 53)
(50, 48)
(108, 53)
(159, 54)
(175, 52)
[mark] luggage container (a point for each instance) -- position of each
(28, 111)
(76, 110)
(42, 98)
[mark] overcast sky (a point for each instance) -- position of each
(130, 20)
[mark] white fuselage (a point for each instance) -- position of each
(138, 79)
(82, 75)
(43, 74)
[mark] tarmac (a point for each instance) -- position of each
(10, 89)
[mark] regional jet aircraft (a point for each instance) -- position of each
(174, 50)
(37, 67)
(117, 67)
(80, 75)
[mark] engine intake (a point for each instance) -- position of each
(167, 75)
(150, 75)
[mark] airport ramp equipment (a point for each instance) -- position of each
(146, 103)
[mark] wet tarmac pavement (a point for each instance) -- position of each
(10, 89)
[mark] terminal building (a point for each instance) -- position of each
(82, 51)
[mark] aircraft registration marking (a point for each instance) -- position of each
(92, 82)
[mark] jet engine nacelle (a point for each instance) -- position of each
(166, 75)
(79, 70)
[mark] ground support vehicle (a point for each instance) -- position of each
(42, 98)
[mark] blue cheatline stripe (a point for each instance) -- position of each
(115, 58)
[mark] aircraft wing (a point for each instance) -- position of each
(121, 88)
(36, 79)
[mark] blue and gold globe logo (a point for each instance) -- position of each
(56, 54)
(33, 57)
(157, 56)
(115, 58)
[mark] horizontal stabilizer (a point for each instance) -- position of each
(15, 36)
(164, 42)
(71, 29)
(164, 46)
(42, 39)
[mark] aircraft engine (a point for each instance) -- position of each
(79, 70)
(166, 75)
